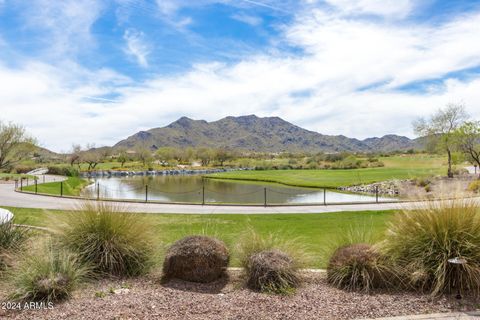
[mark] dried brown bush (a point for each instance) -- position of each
(359, 267)
(272, 271)
(197, 259)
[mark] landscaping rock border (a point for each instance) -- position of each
(115, 173)
(384, 188)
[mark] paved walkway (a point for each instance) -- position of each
(10, 198)
(438, 316)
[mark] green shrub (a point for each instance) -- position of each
(48, 275)
(68, 171)
(474, 186)
(197, 259)
(20, 168)
(110, 240)
(271, 263)
(376, 164)
(421, 241)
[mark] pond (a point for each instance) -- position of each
(189, 189)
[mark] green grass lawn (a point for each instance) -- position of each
(71, 187)
(328, 178)
(315, 231)
(396, 167)
(14, 176)
(415, 161)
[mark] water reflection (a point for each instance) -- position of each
(189, 189)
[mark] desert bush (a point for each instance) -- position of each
(196, 259)
(272, 271)
(68, 171)
(271, 262)
(21, 168)
(421, 241)
(359, 267)
(47, 275)
(376, 164)
(474, 186)
(11, 238)
(459, 171)
(110, 240)
(421, 182)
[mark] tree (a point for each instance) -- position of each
(222, 155)
(15, 144)
(91, 157)
(122, 156)
(440, 129)
(143, 154)
(205, 155)
(165, 154)
(75, 154)
(467, 138)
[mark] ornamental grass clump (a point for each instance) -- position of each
(359, 267)
(11, 239)
(271, 264)
(421, 241)
(47, 275)
(112, 241)
(356, 264)
(196, 259)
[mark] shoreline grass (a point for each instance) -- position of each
(72, 186)
(326, 178)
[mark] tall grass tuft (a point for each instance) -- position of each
(421, 241)
(271, 262)
(11, 238)
(47, 275)
(110, 240)
(356, 264)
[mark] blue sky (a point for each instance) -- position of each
(82, 71)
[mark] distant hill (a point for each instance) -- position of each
(251, 133)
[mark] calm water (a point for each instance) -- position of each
(189, 189)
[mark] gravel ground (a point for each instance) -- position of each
(146, 298)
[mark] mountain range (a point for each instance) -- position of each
(252, 133)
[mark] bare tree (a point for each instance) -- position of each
(91, 157)
(440, 129)
(75, 154)
(15, 144)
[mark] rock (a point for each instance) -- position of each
(121, 291)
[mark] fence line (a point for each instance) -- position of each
(203, 192)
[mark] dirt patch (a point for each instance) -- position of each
(439, 187)
(147, 298)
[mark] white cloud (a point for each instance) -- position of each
(67, 22)
(248, 19)
(345, 83)
(137, 46)
(168, 7)
(388, 8)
